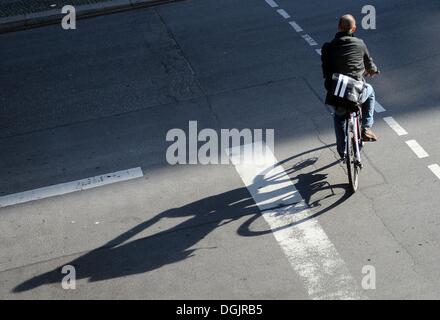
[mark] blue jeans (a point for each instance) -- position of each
(368, 100)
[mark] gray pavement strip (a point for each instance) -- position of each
(19, 14)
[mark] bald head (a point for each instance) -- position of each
(347, 23)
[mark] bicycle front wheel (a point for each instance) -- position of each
(352, 166)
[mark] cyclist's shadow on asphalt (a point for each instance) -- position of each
(119, 258)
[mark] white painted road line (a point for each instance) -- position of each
(378, 107)
(68, 187)
(272, 3)
(308, 249)
(295, 26)
(417, 149)
(309, 40)
(283, 13)
(395, 126)
(435, 168)
(318, 51)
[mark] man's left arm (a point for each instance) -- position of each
(370, 66)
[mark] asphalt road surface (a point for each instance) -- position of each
(100, 99)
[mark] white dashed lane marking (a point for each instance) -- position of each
(309, 40)
(272, 3)
(378, 107)
(435, 168)
(295, 26)
(283, 13)
(69, 187)
(417, 148)
(395, 126)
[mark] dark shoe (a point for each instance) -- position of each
(343, 157)
(368, 135)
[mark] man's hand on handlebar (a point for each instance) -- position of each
(372, 73)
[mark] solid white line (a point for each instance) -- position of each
(309, 40)
(68, 187)
(378, 107)
(435, 168)
(283, 13)
(307, 247)
(318, 51)
(295, 26)
(417, 149)
(272, 3)
(395, 126)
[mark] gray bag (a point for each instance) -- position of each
(345, 91)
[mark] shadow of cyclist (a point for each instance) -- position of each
(121, 257)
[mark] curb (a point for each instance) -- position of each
(54, 16)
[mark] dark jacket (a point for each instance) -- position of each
(347, 55)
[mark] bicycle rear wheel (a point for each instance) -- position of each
(353, 168)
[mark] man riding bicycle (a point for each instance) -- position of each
(349, 56)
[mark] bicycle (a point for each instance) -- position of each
(354, 142)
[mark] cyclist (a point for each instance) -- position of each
(349, 55)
